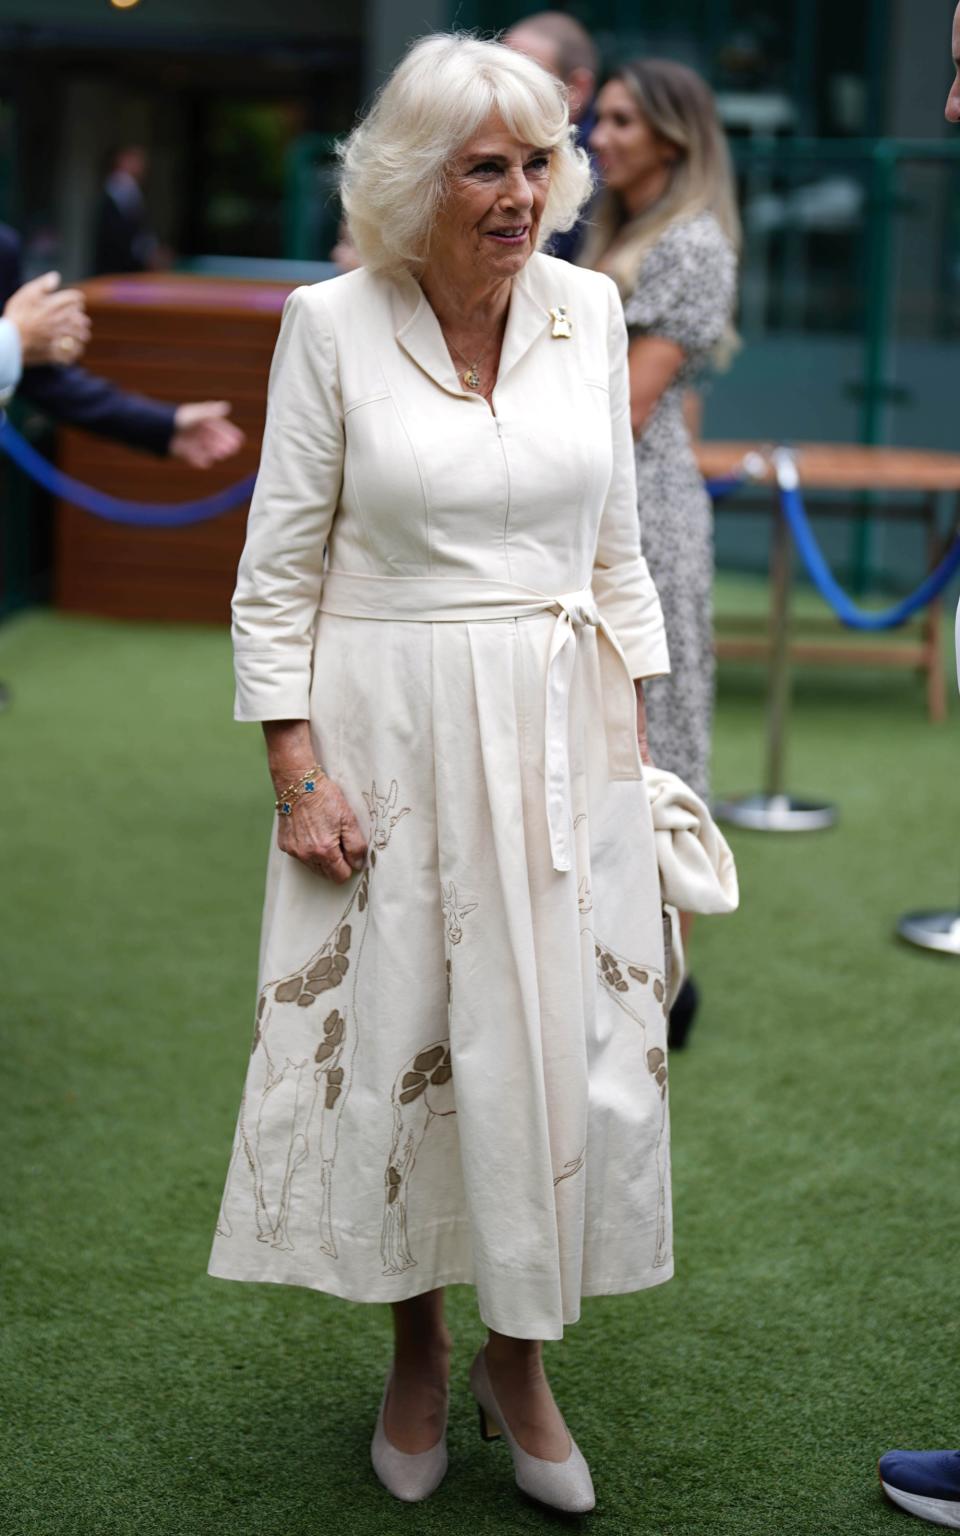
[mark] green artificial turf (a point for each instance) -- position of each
(813, 1322)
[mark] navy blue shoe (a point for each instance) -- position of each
(925, 1483)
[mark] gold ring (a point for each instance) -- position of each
(67, 345)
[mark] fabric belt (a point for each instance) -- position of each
(458, 600)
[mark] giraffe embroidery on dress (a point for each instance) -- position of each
(623, 980)
(569, 1169)
(423, 1089)
(383, 813)
(454, 911)
(299, 1062)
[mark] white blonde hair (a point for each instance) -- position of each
(396, 163)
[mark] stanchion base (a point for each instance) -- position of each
(776, 813)
(932, 930)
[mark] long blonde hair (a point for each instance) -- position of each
(679, 106)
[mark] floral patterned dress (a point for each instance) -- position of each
(685, 293)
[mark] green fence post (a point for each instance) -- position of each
(876, 385)
(299, 189)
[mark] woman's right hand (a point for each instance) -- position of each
(321, 830)
(323, 833)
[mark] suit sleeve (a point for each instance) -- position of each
(80, 399)
(622, 584)
(296, 496)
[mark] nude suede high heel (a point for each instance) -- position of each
(408, 1477)
(565, 1485)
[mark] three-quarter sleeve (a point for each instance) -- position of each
(622, 584)
(686, 288)
(297, 491)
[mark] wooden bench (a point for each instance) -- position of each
(844, 472)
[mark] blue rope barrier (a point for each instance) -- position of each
(820, 574)
(159, 514)
(717, 490)
(753, 467)
(184, 514)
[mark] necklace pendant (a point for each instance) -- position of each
(471, 378)
(562, 325)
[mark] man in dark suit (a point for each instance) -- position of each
(563, 47)
(198, 432)
(124, 242)
(42, 321)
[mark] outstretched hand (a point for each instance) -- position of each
(203, 435)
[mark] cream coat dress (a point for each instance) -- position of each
(458, 1065)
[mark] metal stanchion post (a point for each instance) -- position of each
(778, 702)
(774, 810)
(934, 930)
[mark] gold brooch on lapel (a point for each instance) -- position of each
(562, 325)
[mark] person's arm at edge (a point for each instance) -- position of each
(622, 583)
(81, 399)
(654, 363)
(11, 359)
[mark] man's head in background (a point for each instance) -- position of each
(561, 45)
(129, 160)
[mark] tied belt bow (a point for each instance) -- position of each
(451, 599)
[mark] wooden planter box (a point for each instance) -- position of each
(173, 338)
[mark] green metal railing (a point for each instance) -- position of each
(312, 212)
(311, 216)
(311, 209)
(880, 163)
(882, 159)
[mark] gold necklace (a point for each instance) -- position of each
(471, 374)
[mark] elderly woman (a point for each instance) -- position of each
(458, 1071)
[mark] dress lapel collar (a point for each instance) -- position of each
(528, 318)
(419, 334)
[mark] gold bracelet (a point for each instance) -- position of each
(305, 785)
